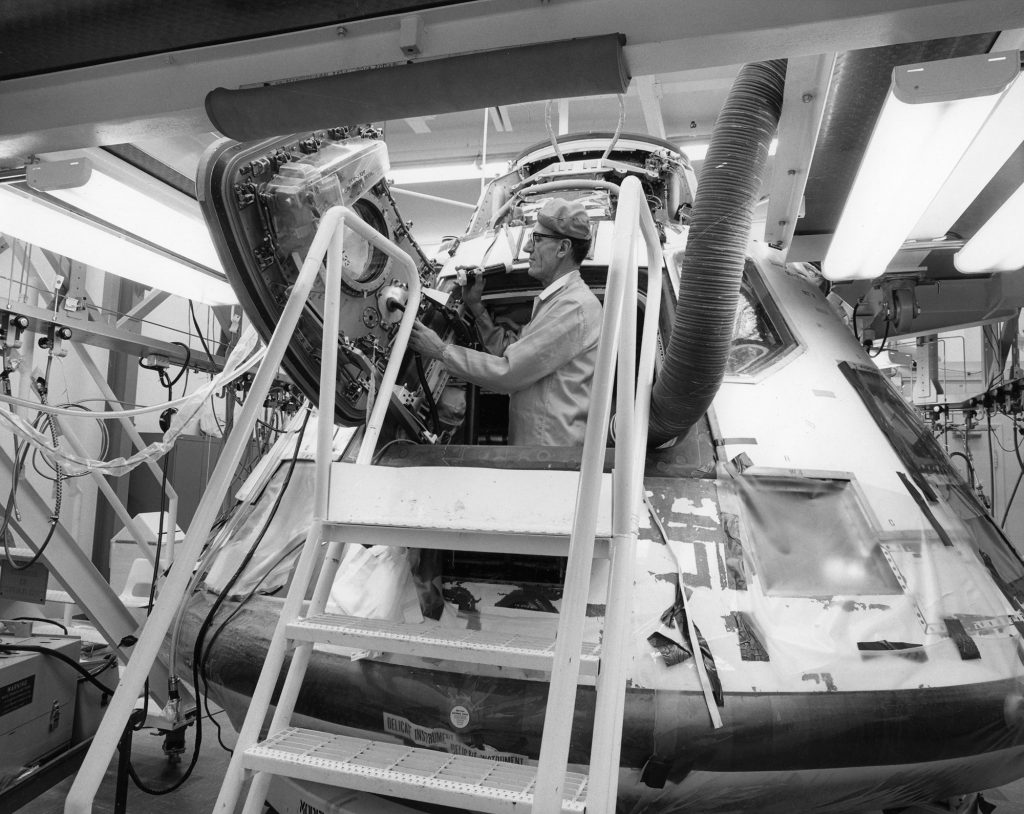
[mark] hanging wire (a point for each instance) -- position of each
(551, 132)
(618, 128)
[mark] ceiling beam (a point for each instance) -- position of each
(650, 103)
(164, 94)
(803, 103)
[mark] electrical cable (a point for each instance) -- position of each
(42, 386)
(991, 463)
(1020, 475)
(427, 394)
(885, 338)
(37, 454)
(41, 619)
(392, 442)
(241, 604)
(48, 651)
(198, 656)
(199, 331)
(206, 349)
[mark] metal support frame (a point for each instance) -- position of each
(807, 83)
(80, 579)
(139, 443)
(112, 337)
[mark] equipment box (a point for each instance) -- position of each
(37, 701)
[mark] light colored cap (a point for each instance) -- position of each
(565, 219)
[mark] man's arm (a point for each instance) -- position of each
(543, 350)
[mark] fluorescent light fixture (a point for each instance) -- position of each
(45, 224)
(437, 173)
(930, 118)
(135, 202)
(998, 245)
(999, 138)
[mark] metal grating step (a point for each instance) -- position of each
(401, 771)
(434, 641)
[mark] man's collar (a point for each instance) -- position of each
(557, 285)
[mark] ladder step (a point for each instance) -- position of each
(536, 545)
(461, 508)
(402, 771)
(435, 641)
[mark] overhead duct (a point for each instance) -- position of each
(730, 180)
(550, 70)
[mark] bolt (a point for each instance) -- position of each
(783, 222)
(807, 97)
(790, 172)
(341, 31)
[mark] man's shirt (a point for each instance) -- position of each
(548, 370)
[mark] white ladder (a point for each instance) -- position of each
(416, 505)
(146, 653)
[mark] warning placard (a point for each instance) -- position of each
(442, 739)
(17, 694)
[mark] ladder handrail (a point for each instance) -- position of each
(618, 338)
(630, 449)
(277, 648)
(83, 791)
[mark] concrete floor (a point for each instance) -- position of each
(196, 795)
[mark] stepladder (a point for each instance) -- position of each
(576, 514)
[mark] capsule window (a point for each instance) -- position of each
(812, 537)
(760, 335)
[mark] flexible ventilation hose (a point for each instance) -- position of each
(730, 180)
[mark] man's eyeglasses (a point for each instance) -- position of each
(537, 235)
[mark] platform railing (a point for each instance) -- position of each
(328, 242)
(633, 220)
(276, 651)
(616, 350)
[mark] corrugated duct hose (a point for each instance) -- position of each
(712, 270)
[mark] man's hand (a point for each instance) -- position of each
(472, 295)
(426, 342)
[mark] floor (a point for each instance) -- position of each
(151, 765)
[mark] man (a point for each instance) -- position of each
(548, 366)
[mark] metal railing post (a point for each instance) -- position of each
(554, 750)
(274, 660)
(630, 449)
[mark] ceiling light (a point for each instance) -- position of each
(135, 202)
(45, 224)
(931, 116)
(997, 246)
(438, 173)
(993, 146)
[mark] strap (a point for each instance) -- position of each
(964, 643)
(696, 640)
